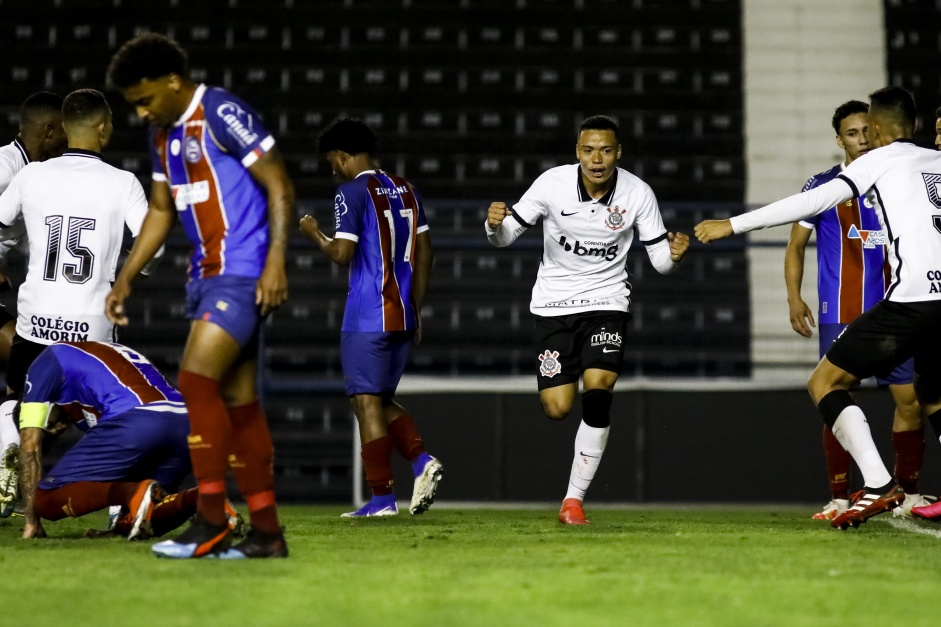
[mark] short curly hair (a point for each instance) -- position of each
(349, 135)
(147, 56)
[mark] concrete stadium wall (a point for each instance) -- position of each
(664, 447)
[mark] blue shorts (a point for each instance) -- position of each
(373, 363)
(901, 375)
(228, 301)
(136, 445)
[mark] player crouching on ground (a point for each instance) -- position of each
(381, 232)
(133, 450)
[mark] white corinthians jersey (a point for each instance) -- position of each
(903, 183)
(13, 158)
(75, 207)
(586, 240)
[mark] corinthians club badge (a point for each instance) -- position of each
(550, 364)
(615, 219)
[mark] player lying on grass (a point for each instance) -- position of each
(133, 451)
(903, 182)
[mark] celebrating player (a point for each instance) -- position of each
(590, 212)
(215, 164)
(40, 137)
(902, 181)
(133, 450)
(382, 234)
(851, 278)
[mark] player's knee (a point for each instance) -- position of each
(928, 388)
(556, 409)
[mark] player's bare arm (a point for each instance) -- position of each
(496, 214)
(711, 230)
(269, 171)
(337, 249)
(161, 216)
(802, 318)
(30, 473)
(679, 244)
(421, 275)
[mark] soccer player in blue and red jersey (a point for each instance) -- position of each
(852, 276)
(382, 234)
(215, 165)
(134, 447)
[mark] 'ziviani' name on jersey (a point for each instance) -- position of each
(390, 191)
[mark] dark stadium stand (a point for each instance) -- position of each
(472, 99)
(913, 57)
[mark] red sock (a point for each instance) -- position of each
(909, 452)
(80, 498)
(173, 511)
(251, 463)
(209, 442)
(377, 463)
(405, 437)
(838, 465)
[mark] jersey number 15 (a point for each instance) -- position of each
(73, 273)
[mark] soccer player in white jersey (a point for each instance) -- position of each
(851, 277)
(903, 182)
(590, 212)
(75, 209)
(40, 137)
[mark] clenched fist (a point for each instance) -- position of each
(496, 214)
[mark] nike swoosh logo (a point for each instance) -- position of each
(605, 350)
(574, 213)
(584, 454)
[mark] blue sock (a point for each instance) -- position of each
(419, 464)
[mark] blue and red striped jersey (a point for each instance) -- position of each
(100, 379)
(383, 214)
(852, 273)
(204, 158)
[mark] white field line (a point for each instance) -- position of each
(911, 526)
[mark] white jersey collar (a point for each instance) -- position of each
(19, 146)
(197, 98)
(584, 196)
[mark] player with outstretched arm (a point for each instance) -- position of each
(903, 182)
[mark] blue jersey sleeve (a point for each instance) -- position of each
(235, 126)
(349, 208)
(811, 183)
(45, 378)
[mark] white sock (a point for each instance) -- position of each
(589, 447)
(9, 431)
(852, 431)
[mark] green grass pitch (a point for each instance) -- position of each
(632, 566)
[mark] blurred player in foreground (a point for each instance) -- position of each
(591, 211)
(134, 448)
(382, 234)
(216, 166)
(903, 183)
(851, 278)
